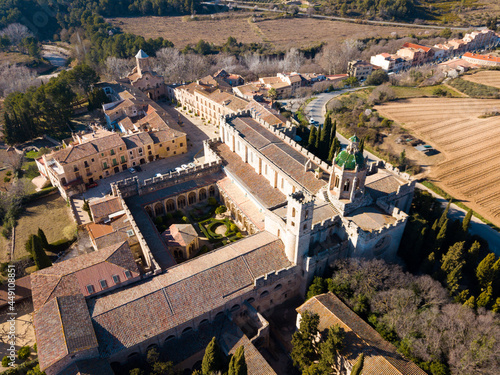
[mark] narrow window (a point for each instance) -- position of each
(116, 279)
(104, 284)
(90, 289)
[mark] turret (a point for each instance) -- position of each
(142, 60)
(298, 226)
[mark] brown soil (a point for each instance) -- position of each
(485, 77)
(470, 145)
(281, 33)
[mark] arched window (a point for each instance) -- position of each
(149, 211)
(337, 181)
(293, 212)
(204, 321)
(235, 308)
(181, 202)
(265, 293)
(170, 205)
(346, 185)
(278, 287)
(171, 337)
(211, 191)
(203, 194)
(159, 210)
(251, 300)
(192, 198)
(187, 329)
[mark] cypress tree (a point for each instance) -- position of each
(444, 215)
(358, 366)
(39, 256)
(212, 360)
(485, 270)
(317, 143)
(333, 149)
(466, 221)
(43, 238)
(441, 237)
(333, 133)
(327, 130)
(238, 365)
(362, 145)
(312, 138)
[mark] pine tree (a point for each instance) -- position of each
(43, 238)
(484, 298)
(312, 138)
(318, 286)
(441, 237)
(330, 348)
(237, 365)
(444, 215)
(473, 254)
(41, 259)
(212, 360)
(466, 221)
(303, 350)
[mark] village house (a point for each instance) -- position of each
(416, 54)
(481, 60)
(359, 69)
(390, 63)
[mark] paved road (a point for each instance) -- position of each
(317, 109)
(344, 19)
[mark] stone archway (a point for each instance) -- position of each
(149, 211)
(211, 191)
(192, 198)
(202, 194)
(181, 202)
(159, 209)
(170, 205)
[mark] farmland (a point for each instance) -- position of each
(485, 77)
(471, 146)
(280, 33)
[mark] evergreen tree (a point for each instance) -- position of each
(41, 259)
(303, 350)
(318, 286)
(312, 138)
(329, 350)
(441, 237)
(237, 365)
(471, 302)
(473, 255)
(362, 146)
(334, 148)
(453, 257)
(317, 143)
(444, 215)
(333, 133)
(213, 360)
(358, 366)
(43, 239)
(466, 221)
(327, 130)
(485, 272)
(484, 298)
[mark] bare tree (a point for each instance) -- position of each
(293, 60)
(334, 58)
(118, 68)
(16, 32)
(16, 78)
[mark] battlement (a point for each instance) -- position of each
(272, 277)
(330, 222)
(374, 166)
(284, 137)
(399, 215)
(302, 197)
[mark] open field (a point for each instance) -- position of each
(471, 146)
(49, 213)
(485, 77)
(281, 33)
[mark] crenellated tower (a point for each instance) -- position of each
(298, 226)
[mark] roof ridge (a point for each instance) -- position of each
(62, 325)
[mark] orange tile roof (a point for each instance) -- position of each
(482, 57)
(417, 46)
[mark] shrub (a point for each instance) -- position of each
(438, 91)
(6, 179)
(220, 210)
(24, 353)
(8, 173)
(239, 235)
(185, 219)
(5, 361)
(169, 216)
(377, 77)
(158, 220)
(233, 227)
(212, 201)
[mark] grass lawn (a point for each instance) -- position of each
(416, 92)
(48, 213)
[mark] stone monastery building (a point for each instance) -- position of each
(300, 213)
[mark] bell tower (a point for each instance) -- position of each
(347, 182)
(142, 60)
(298, 226)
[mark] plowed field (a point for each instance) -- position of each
(486, 77)
(471, 145)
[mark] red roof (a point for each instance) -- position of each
(482, 57)
(417, 46)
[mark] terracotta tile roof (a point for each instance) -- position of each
(22, 290)
(106, 143)
(256, 184)
(381, 357)
(63, 327)
(165, 135)
(482, 57)
(417, 46)
(126, 124)
(102, 208)
(137, 140)
(98, 230)
(270, 116)
(71, 154)
(186, 291)
(228, 100)
(71, 277)
(111, 239)
(381, 184)
(270, 80)
(180, 234)
(278, 152)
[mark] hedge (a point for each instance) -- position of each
(32, 197)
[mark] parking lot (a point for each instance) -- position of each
(196, 132)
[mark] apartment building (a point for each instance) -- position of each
(390, 63)
(416, 54)
(359, 69)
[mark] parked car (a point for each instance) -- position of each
(158, 175)
(184, 166)
(91, 185)
(131, 170)
(179, 169)
(191, 165)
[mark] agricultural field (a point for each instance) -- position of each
(280, 33)
(485, 77)
(471, 146)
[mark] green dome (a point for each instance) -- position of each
(349, 161)
(354, 139)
